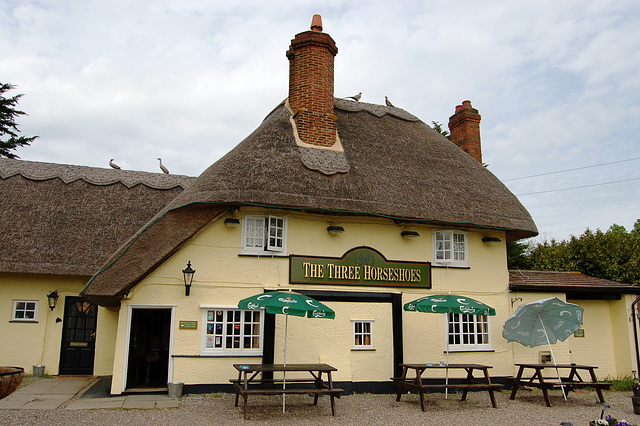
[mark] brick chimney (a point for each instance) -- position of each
(311, 57)
(464, 127)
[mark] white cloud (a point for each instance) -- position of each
(556, 83)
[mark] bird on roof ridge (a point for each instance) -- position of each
(355, 97)
(162, 167)
(388, 102)
(114, 165)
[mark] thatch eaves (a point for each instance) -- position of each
(68, 220)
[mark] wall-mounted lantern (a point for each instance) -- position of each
(409, 234)
(188, 278)
(52, 298)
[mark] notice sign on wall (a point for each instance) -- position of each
(363, 266)
(188, 325)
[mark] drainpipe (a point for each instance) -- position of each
(635, 331)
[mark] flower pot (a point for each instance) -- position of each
(10, 379)
(635, 400)
(175, 389)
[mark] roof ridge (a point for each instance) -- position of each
(374, 109)
(68, 173)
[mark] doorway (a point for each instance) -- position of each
(149, 339)
(78, 336)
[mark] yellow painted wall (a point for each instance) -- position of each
(223, 278)
(28, 344)
(107, 324)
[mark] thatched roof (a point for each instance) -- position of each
(398, 167)
(566, 282)
(393, 165)
(68, 220)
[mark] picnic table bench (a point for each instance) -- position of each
(570, 382)
(247, 384)
(468, 383)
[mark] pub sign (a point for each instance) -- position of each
(362, 266)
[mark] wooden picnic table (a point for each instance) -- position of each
(248, 382)
(468, 383)
(570, 382)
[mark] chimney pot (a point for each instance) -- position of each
(466, 104)
(316, 23)
(458, 108)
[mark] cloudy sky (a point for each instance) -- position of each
(556, 82)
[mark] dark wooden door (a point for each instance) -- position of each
(149, 348)
(78, 336)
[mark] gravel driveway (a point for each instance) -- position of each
(203, 409)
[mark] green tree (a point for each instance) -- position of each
(612, 255)
(517, 257)
(437, 126)
(9, 139)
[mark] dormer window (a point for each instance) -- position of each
(264, 235)
(450, 248)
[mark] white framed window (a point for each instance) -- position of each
(362, 334)
(230, 331)
(468, 332)
(264, 234)
(450, 248)
(25, 310)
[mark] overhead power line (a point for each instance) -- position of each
(577, 187)
(571, 170)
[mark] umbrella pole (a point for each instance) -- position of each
(284, 373)
(446, 389)
(564, 394)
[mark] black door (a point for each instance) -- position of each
(149, 348)
(78, 336)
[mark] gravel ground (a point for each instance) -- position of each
(204, 409)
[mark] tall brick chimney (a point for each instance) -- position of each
(464, 127)
(311, 57)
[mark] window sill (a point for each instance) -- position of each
(444, 265)
(263, 255)
(468, 350)
(217, 356)
(24, 321)
(363, 349)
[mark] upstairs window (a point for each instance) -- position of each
(25, 311)
(450, 248)
(264, 235)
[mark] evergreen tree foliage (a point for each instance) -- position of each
(9, 139)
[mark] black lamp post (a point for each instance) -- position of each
(53, 299)
(188, 278)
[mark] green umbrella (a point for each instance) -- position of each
(449, 303)
(287, 303)
(543, 322)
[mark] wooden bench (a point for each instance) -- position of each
(465, 387)
(274, 390)
(571, 382)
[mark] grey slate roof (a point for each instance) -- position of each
(395, 166)
(68, 220)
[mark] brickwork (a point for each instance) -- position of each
(311, 56)
(464, 127)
